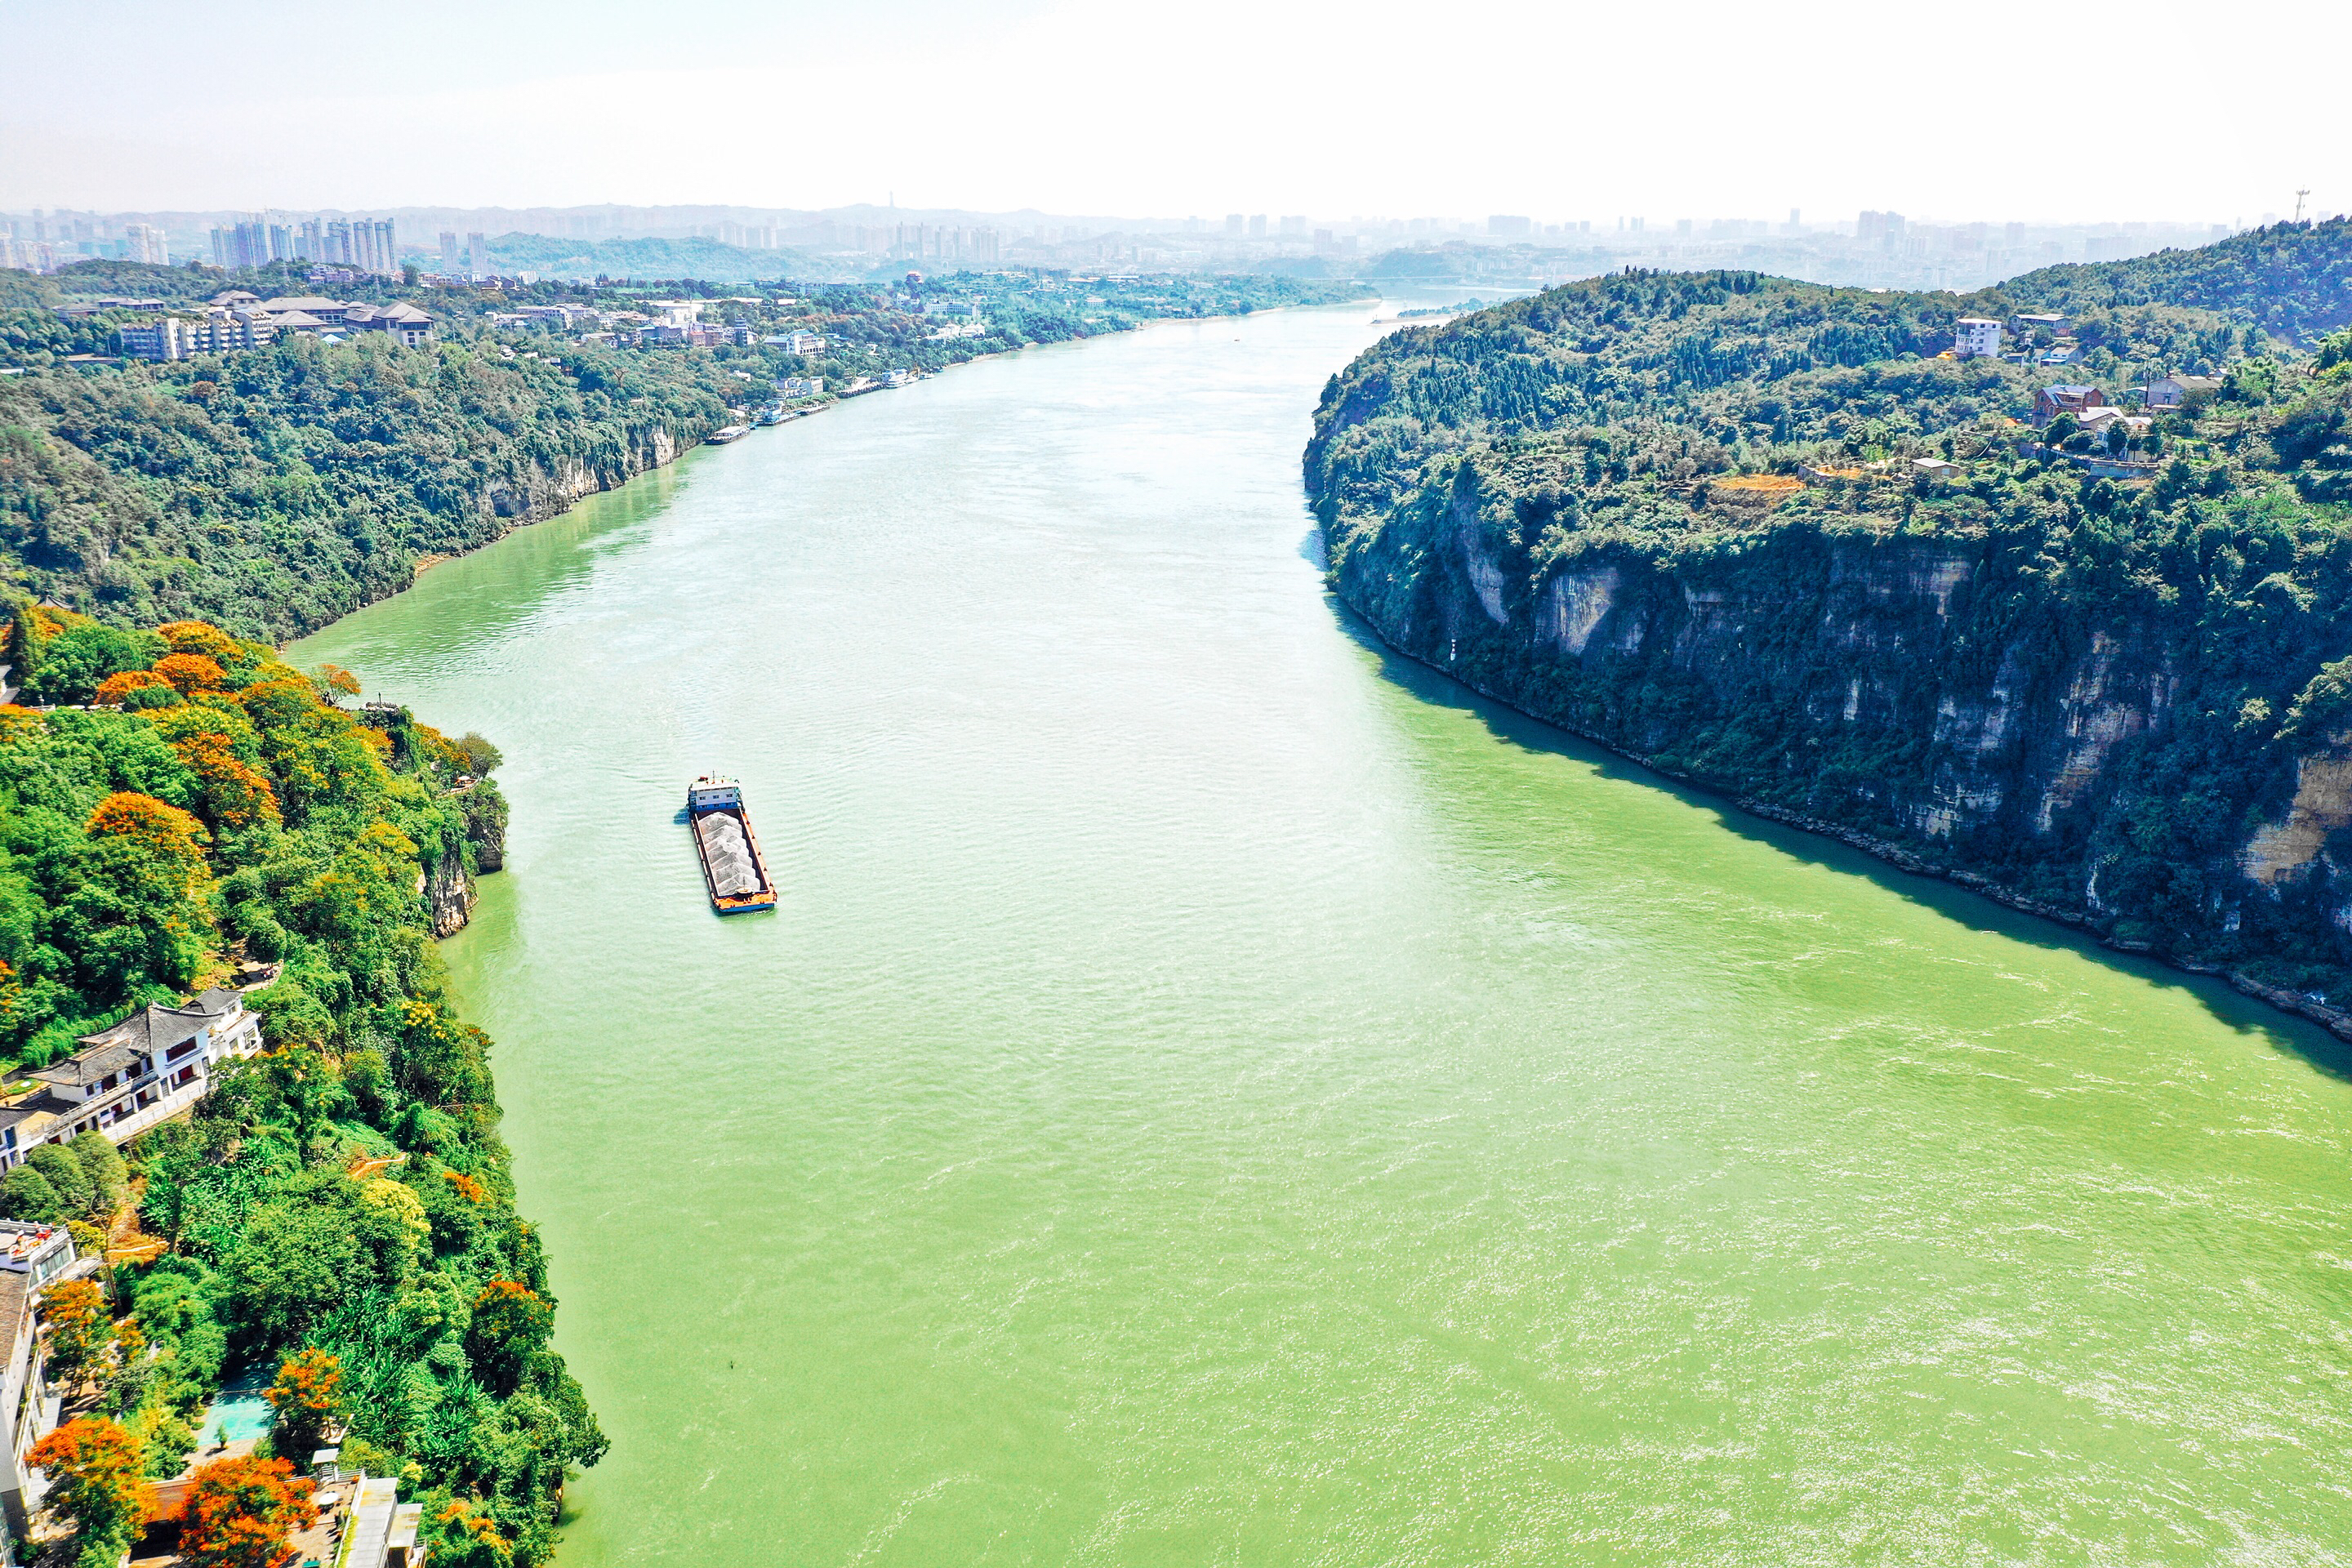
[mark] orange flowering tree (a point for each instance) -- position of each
(335, 677)
(306, 1399)
(202, 639)
(12, 1000)
(511, 1322)
(239, 1511)
(117, 689)
(219, 746)
(161, 829)
(466, 1537)
(189, 673)
(98, 1485)
(466, 1187)
(80, 1326)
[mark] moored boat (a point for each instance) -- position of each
(726, 433)
(734, 870)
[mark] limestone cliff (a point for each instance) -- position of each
(448, 891)
(1917, 696)
(1770, 537)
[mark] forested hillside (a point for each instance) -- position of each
(338, 1213)
(2294, 280)
(1761, 534)
(273, 490)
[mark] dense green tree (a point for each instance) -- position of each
(102, 1165)
(66, 1177)
(26, 1194)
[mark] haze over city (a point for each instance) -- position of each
(1580, 112)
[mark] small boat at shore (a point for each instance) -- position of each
(733, 869)
(726, 433)
(775, 414)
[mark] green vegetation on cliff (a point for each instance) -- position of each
(338, 1210)
(1707, 518)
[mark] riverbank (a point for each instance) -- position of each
(133, 491)
(2336, 1021)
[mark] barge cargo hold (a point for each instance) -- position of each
(733, 869)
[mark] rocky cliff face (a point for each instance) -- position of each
(448, 891)
(1929, 699)
(547, 489)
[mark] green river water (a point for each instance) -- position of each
(1215, 1095)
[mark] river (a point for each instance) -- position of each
(1215, 1095)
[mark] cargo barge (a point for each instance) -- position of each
(733, 869)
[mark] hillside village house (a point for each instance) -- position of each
(2101, 421)
(2061, 398)
(2172, 391)
(127, 1079)
(1974, 337)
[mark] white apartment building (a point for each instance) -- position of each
(1976, 337)
(31, 1256)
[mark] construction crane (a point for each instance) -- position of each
(2298, 202)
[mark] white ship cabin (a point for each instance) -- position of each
(709, 793)
(127, 1079)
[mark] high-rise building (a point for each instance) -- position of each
(478, 255)
(144, 242)
(374, 246)
(242, 244)
(1257, 227)
(451, 257)
(1294, 224)
(1233, 225)
(28, 255)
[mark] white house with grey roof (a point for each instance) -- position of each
(123, 1080)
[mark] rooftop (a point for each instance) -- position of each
(153, 1030)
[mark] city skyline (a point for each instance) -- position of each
(1874, 248)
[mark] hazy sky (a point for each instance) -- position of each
(1684, 108)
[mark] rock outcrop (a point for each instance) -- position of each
(448, 891)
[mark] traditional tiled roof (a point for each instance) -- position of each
(151, 1031)
(86, 1067)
